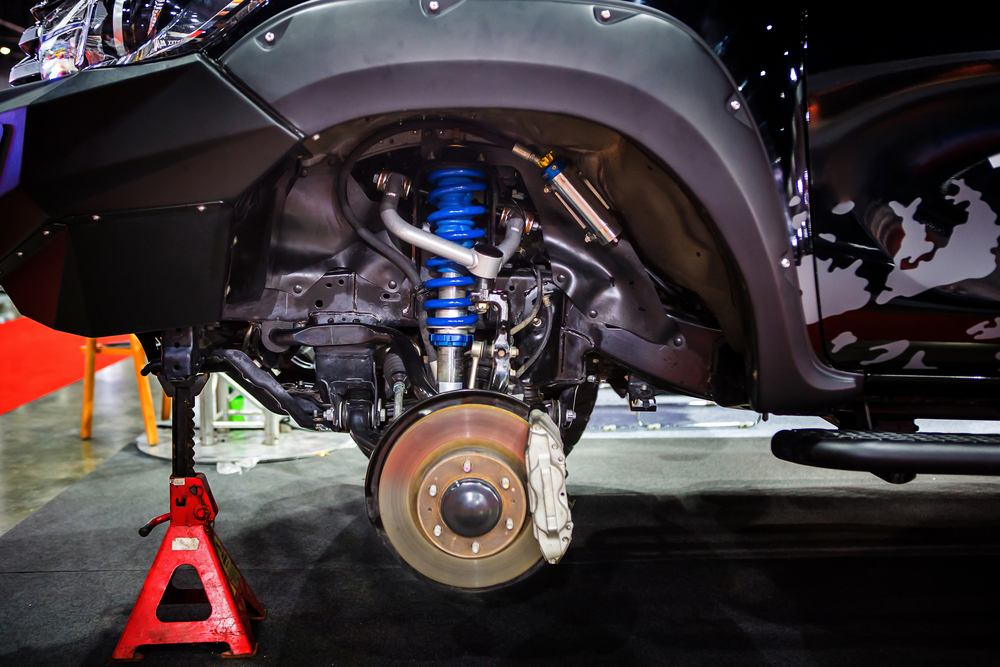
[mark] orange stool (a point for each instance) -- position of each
(91, 350)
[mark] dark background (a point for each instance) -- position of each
(16, 12)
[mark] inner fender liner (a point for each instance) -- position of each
(646, 76)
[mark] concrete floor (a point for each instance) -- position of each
(693, 547)
(41, 452)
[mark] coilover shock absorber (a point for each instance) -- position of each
(451, 322)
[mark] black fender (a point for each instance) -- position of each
(117, 187)
(642, 73)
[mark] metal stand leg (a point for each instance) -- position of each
(207, 416)
(191, 540)
(272, 424)
(221, 398)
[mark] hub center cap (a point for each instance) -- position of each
(471, 507)
(471, 503)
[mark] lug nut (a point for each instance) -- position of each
(437, 531)
(269, 37)
(475, 547)
(510, 524)
(605, 14)
(735, 105)
(467, 466)
(434, 5)
(433, 490)
(505, 483)
(537, 322)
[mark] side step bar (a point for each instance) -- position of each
(891, 454)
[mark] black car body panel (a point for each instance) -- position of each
(715, 93)
(138, 193)
(904, 141)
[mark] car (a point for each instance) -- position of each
(438, 225)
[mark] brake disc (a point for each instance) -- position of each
(452, 497)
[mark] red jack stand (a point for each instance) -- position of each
(191, 540)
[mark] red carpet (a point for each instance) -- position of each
(36, 360)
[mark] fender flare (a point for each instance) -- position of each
(641, 73)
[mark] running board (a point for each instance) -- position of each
(891, 454)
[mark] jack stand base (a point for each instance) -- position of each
(191, 540)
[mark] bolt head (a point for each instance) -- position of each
(437, 531)
(96, 217)
(433, 490)
(433, 5)
(785, 262)
(505, 483)
(735, 105)
(392, 284)
(297, 289)
(510, 524)
(591, 378)
(269, 37)
(537, 322)
(467, 466)
(605, 14)
(20, 254)
(201, 209)
(501, 353)
(475, 547)
(46, 233)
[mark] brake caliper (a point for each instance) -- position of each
(548, 500)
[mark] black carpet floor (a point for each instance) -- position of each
(832, 576)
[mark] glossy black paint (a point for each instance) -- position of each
(119, 273)
(108, 146)
(901, 132)
(763, 47)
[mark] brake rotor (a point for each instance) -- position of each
(452, 499)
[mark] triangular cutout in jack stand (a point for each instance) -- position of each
(184, 598)
(191, 540)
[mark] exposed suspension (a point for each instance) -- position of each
(452, 323)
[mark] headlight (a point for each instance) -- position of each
(77, 34)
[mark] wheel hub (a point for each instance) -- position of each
(452, 494)
(471, 507)
(471, 503)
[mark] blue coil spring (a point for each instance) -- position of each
(452, 196)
